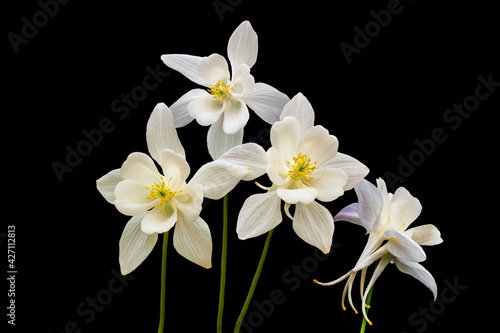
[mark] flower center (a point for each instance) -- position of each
(302, 169)
(163, 192)
(221, 92)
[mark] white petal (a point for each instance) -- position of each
(139, 172)
(349, 214)
(213, 68)
(380, 268)
(248, 155)
(180, 107)
(277, 169)
(186, 65)
(370, 203)
(218, 178)
(219, 141)
(135, 245)
(420, 273)
(318, 144)
(205, 109)
(362, 281)
(331, 283)
(372, 252)
(329, 182)
(260, 213)
(160, 219)
(161, 133)
(304, 194)
(267, 102)
(382, 187)
(426, 234)
(349, 286)
(404, 209)
(141, 168)
(106, 185)
(355, 170)
(386, 197)
(175, 169)
(403, 247)
(285, 137)
(131, 197)
(188, 203)
(299, 108)
(243, 45)
(242, 81)
(235, 118)
(314, 224)
(286, 208)
(194, 242)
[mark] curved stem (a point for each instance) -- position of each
(254, 283)
(163, 282)
(223, 265)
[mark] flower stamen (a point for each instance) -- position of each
(163, 192)
(302, 169)
(221, 92)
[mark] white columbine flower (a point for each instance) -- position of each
(223, 105)
(303, 165)
(158, 200)
(386, 218)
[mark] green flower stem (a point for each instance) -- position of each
(223, 265)
(368, 299)
(163, 282)
(254, 283)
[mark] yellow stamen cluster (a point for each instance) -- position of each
(302, 169)
(221, 92)
(163, 192)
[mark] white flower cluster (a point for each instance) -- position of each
(303, 165)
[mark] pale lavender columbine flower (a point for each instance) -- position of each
(386, 217)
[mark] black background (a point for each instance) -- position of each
(64, 79)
